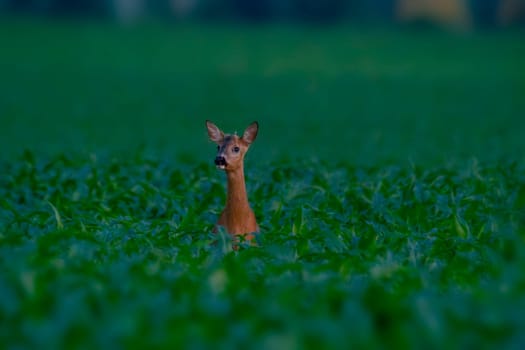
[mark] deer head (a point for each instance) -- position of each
(231, 148)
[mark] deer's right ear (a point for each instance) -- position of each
(215, 134)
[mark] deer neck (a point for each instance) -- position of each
(237, 199)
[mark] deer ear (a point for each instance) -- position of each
(215, 134)
(251, 132)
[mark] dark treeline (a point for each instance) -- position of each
(459, 13)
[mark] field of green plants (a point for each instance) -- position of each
(388, 179)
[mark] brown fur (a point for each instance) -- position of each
(237, 218)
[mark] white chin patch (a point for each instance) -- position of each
(222, 167)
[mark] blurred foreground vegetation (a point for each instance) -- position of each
(118, 254)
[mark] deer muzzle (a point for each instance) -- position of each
(220, 162)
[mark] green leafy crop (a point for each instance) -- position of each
(107, 252)
(388, 180)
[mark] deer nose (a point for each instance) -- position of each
(220, 160)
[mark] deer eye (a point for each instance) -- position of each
(236, 149)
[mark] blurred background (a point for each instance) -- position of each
(342, 80)
(459, 13)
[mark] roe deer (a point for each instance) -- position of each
(237, 218)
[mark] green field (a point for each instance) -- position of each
(388, 179)
(358, 96)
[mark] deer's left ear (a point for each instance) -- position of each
(250, 133)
